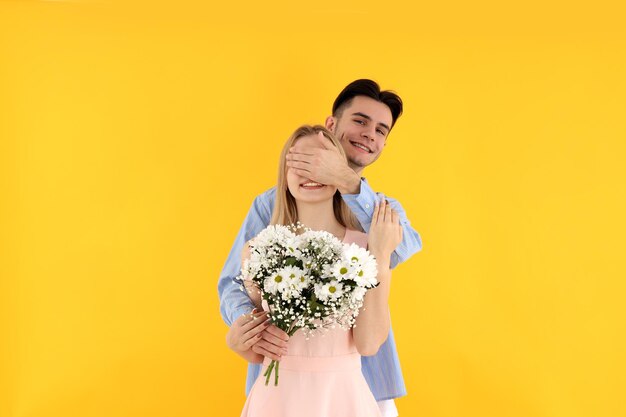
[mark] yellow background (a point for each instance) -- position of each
(134, 138)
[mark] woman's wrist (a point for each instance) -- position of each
(382, 257)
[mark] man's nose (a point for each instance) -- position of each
(369, 133)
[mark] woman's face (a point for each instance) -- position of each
(302, 188)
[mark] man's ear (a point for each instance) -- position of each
(331, 123)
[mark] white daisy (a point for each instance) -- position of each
(296, 280)
(331, 291)
(277, 282)
(341, 270)
(355, 254)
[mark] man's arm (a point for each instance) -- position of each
(270, 341)
(247, 330)
(233, 301)
(362, 205)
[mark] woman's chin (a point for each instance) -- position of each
(312, 198)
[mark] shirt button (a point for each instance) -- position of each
(367, 206)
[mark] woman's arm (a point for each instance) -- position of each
(248, 328)
(245, 331)
(372, 323)
(361, 203)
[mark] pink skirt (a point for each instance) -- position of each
(331, 386)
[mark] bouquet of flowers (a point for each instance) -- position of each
(310, 280)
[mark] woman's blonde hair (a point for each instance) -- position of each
(285, 209)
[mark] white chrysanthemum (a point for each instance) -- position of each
(277, 282)
(365, 270)
(296, 280)
(292, 246)
(331, 291)
(303, 282)
(340, 270)
(272, 234)
(355, 254)
(326, 271)
(307, 262)
(366, 276)
(317, 289)
(292, 273)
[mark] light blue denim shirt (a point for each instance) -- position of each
(382, 370)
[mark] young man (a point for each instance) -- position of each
(362, 118)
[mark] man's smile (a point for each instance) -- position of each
(361, 147)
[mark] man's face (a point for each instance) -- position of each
(362, 129)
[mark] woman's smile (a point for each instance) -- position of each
(312, 185)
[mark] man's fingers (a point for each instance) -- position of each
(299, 165)
(301, 150)
(300, 157)
(324, 141)
(302, 172)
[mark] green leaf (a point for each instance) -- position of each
(291, 261)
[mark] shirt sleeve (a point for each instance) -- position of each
(362, 205)
(233, 301)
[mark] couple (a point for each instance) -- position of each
(344, 374)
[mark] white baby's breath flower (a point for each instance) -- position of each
(358, 293)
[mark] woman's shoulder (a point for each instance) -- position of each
(355, 232)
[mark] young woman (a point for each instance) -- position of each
(322, 376)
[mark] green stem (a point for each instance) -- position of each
(276, 378)
(269, 372)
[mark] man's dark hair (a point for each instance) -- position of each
(371, 89)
